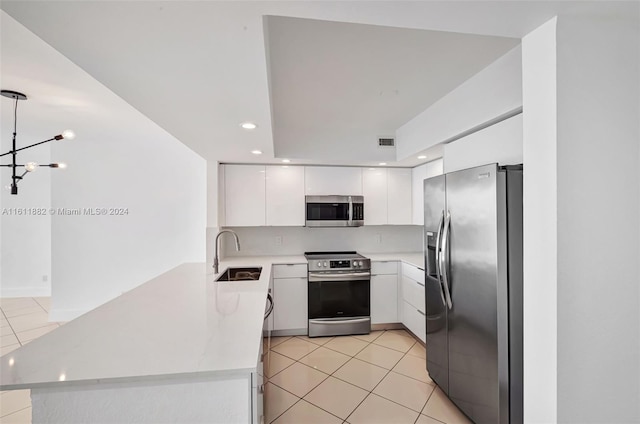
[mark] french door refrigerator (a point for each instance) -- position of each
(473, 289)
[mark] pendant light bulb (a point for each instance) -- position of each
(31, 166)
(68, 134)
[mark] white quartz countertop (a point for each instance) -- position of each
(411, 258)
(177, 324)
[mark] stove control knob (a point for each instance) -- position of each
(324, 264)
(319, 263)
(360, 263)
(355, 264)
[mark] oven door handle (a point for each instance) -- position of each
(338, 321)
(347, 276)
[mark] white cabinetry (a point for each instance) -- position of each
(399, 195)
(321, 180)
(384, 292)
(290, 298)
(413, 300)
(387, 196)
(374, 187)
(418, 174)
(244, 195)
(285, 195)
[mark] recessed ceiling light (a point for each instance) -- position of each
(248, 125)
(256, 152)
(422, 157)
(372, 169)
(285, 161)
(382, 163)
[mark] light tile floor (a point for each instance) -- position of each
(375, 378)
(21, 320)
(370, 379)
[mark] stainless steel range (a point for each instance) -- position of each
(339, 293)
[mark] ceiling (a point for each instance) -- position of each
(320, 87)
(337, 87)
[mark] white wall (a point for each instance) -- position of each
(25, 241)
(297, 240)
(540, 226)
(491, 93)
(120, 159)
(501, 143)
(598, 179)
(162, 186)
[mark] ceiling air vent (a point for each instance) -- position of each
(386, 142)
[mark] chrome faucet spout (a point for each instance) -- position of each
(216, 262)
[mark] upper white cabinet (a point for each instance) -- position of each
(374, 187)
(399, 195)
(244, 187)
(259, 195)
(418, 175)
(285, 195)
(329, 180)
(387, 196)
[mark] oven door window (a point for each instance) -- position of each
(327, 211)
(336, 299)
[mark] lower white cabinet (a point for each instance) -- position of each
(414, 320)
(290, 303)
(384, 299)
(412, 305)
(384, 292)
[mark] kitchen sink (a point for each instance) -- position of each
(240, 274)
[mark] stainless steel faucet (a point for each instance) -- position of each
(215, 248)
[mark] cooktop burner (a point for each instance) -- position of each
(333, 255)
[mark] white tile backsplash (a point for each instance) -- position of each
(255, 241)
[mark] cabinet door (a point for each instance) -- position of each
(384, 299)
(399, 196)
(339, 180)
(289, 303)
(414, 320)
(285, 195)
(418, 175)
(244, 195)
(374, 187)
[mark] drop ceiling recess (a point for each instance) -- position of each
(336, 84)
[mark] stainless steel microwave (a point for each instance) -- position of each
(334, 211)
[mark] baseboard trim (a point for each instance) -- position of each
(25, 292)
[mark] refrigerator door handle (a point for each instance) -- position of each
(438, 273)
(444, 260)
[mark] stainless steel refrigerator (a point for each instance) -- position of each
(473, 289)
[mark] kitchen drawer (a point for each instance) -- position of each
(413, 292)
(415, 321)
(384, 267)
(413, 272)
(290, 271)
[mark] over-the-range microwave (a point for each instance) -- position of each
(334, 211)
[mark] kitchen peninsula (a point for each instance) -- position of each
(179, 348)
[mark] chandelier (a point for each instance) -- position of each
(29, 166)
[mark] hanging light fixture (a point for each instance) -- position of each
(29, 166)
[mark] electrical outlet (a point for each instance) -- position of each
(378, 238)
(278, 240)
